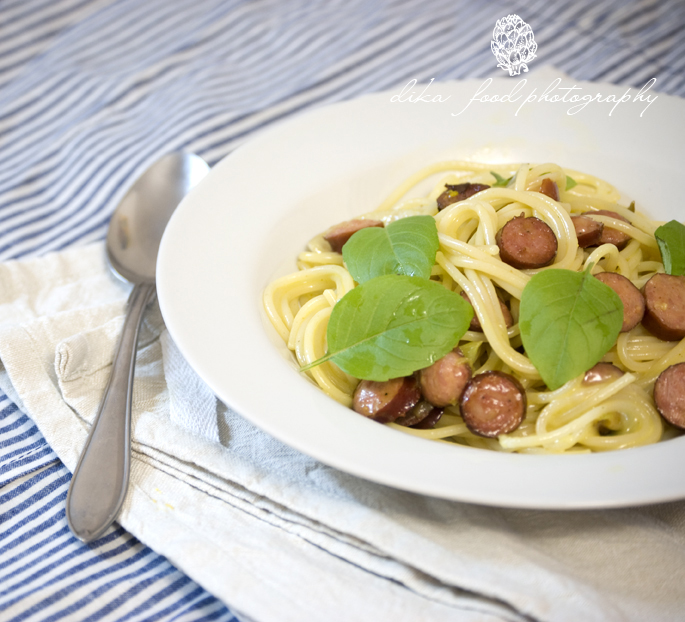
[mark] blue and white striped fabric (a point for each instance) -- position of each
(92, 91)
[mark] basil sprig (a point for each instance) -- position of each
(500, 182)
(671, 240)
(568, 321)
(393, 325)
(406, 246)
(396, 320)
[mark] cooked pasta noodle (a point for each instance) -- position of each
(574, 418)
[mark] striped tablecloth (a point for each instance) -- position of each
(93, 91)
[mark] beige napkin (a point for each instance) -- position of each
(280, 536)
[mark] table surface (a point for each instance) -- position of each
(92, 91)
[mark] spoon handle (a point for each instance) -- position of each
(100, 480)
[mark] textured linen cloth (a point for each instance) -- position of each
(281, 536)
(91, 93)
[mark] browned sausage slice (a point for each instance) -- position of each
(444, 381)
(632, 299)
(601, 373)
(588, 231)
(458, 192)
(340, 233)
(665, 306)
(669, 394)
(429, 422)
(475, 322)
(493, 403)
(423, 416)
(609, 235)
(386, 401)
(527, 243)
(549, 188)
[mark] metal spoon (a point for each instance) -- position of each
(100, 480)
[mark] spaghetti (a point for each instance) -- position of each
(577, 417)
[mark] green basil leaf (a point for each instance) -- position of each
(501, 181)
(406, 246)
(568, 322)
(394, 325)
(570, 182)
(671, 240)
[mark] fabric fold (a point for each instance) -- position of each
(245, 515)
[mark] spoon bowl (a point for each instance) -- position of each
(100, 481)
(138, 223)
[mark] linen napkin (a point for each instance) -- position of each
(280, 536)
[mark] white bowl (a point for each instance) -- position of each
(247, 221)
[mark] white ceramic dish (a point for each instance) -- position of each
(246, 222)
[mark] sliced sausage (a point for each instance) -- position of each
(588, 231)
(422, 417)
(609, 235)
(444, 381)
(340, 233)
(527, 243)
(549, 188)
(429, 422)
(665, 306)
(458, 192)
(493, 403)
(633, 301)
(601, 373)
(669, 394)
(386, 401)
(475, 322)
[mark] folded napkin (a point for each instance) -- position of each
(280, 536)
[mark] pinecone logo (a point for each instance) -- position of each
(513, 44)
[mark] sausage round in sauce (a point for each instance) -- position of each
(444, 381)
(337, 235)
(459, 192)
(601, 372)
(669, 394)
(609, 235)
(388, 400)
(549, 188)
(429, 421)
(422, 417)
(633, 301)
(493, 403)
(588, 231)
(527, 243)
(665, 306)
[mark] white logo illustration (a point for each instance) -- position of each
(513, 44)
